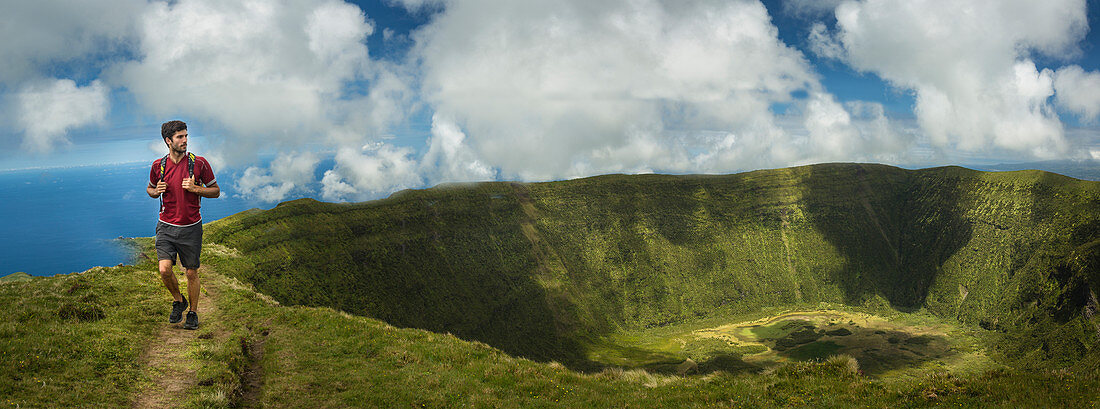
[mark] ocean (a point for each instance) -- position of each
(67, 220)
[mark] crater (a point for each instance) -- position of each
(878, 344)
(736, 273)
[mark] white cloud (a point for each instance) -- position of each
(256, 183)
(47, 110)
(880, 139)
(295, 168)
(268, 76)
(335, 189)
(810, 8)
(288, 171)
(1078, 91)
(416, 6)
(824, 43)
(832, 135)
(969, 64)
(449, 159)
(44, 38)
(274, 74)
(552, 89)
(370, 171)
(39, 35)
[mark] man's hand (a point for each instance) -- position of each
(161, 187)
(189, 185)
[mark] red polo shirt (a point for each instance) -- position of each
(180, 207)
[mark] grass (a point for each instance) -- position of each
(75, 340)
(17, 276)
(333, 359)
(502, 295)
(547, 270)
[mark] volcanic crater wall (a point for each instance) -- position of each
(541, 269)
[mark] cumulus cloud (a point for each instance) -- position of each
(39, 35)
(544, 89)
(258, 184)
(289, 170)
(50, 38)
(553, 89)
(272, 73)
(449, 159)
(1078, 91)
(418, 5)
(49, 109)
(369, 171)
(810, 8)
(824, 43)
(969, 64)
(830, 128)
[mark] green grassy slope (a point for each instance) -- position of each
(17, 276)
(321, 358)
(548, 271)
(75, 340)
(543, 270)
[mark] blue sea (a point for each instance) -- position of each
(63, 220)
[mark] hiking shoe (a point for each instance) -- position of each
(192, 321)
(177, 310)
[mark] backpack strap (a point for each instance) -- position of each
(190, 165)
(163, 163)
(163, 166)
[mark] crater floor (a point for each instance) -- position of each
(884, 346)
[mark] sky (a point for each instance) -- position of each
(348, 101)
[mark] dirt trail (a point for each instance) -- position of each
(166, 361)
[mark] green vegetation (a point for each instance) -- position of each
(17, 276)
(825, 285)
(75, 340)
(547, 270)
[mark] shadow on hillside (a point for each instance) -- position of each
(894, 228)
(444, 260)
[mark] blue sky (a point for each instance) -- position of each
(410, 93)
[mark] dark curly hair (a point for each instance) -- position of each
(171, 127)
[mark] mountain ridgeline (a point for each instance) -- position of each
(543, 270)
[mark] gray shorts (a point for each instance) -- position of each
(184, 241)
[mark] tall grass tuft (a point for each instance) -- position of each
(845, 362)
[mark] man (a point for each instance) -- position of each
(180, 180)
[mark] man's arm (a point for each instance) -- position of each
(156, 191)
(209, 192)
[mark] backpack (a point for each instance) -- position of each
(190, 172)
(190, 165)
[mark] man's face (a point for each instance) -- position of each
(178, 141)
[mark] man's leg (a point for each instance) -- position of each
(169, 279)
(193, 288)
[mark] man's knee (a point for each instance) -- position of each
(165, 269)
(192, 274)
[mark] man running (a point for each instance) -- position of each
(180, 180)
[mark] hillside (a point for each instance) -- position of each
(548, 270)
(937, 287)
